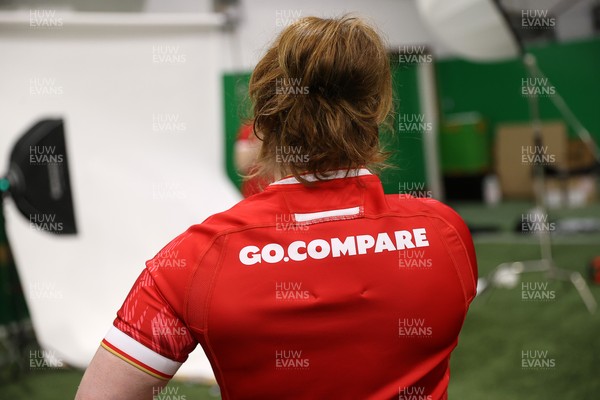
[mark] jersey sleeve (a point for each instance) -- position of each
(148, 333)
(455, 233)
(467, 265)
(151, 330)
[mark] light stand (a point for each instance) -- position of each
(545, 263)
(480, 30)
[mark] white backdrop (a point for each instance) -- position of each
(142, 109)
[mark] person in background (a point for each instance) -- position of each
(246, 149)
(321, 286)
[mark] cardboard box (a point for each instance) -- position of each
(579, 156)
(515, 155)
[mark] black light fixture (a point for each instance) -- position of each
(38, 178)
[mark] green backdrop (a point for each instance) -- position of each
(494, 89)
(236, 106)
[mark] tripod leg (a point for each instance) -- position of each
(578, 281)
(584, 291)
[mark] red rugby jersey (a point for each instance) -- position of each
(335, 291)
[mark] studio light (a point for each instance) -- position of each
(38, 178)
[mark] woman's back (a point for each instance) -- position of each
(334, 291)
(321, 287)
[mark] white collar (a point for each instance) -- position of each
(342, 173)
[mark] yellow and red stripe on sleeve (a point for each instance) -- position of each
(138, 355)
